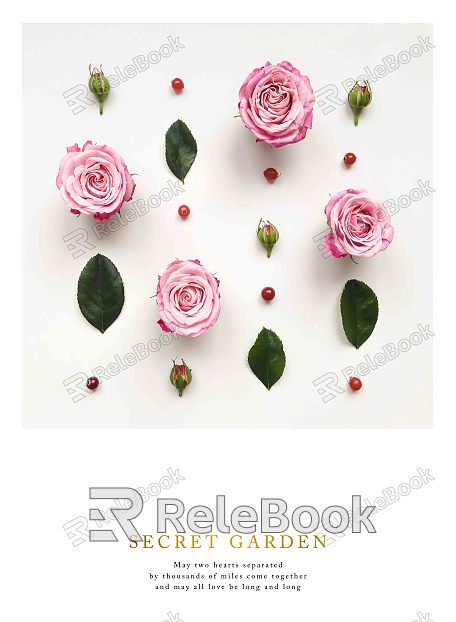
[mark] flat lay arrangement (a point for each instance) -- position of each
(276, 105)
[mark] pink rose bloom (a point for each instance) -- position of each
(276, 104)
(360, 226)
(94, 180)
(188, 298)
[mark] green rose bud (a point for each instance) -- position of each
(268, 235)
(359, 97)
(99, 85)
(180, 376)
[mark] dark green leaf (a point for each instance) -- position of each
(181, 149)
(359, 309)
(267, 358)
(100, 292)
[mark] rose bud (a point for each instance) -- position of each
(268, 235)
(180, 376)
(359, 97)
(99, 85)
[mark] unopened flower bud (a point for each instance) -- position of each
(359, 97)
(268, 235)
(180, 376)
(99, 85)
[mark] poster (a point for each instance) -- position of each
(228, 325)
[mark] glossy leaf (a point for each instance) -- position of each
(181, 149)
(359, 309)
(100, 292)
(267, 358)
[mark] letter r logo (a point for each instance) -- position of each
(77, 242)
(78, 98)
(327, 387)
(327, 98)
(123, 516)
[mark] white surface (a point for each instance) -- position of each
(388, 575)
(227, 195)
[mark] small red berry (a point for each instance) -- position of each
(271, 175)
(267, 293)
(355, 383)
(178, 85)
(349, 159)
(92, 383)
(184, 211)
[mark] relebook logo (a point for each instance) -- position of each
(206, 524)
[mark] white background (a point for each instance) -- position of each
(46, 474)
(228, 195)
(387, 575)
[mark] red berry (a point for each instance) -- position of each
(355, 383)
(184, 211)
(271, 175)
(178, 85)
(267, 293)
(92, 383)
(349, 159)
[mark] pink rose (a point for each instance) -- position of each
(188, 298)
(276, 104)
(360, 226)
(94, 180)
